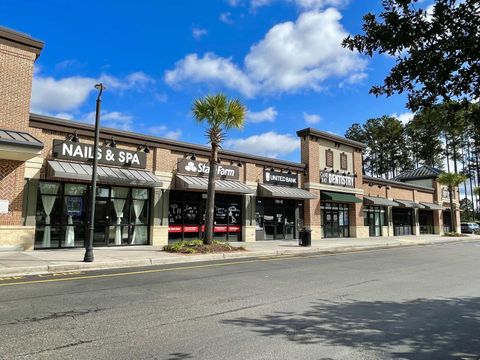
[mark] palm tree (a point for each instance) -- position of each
(220, 114)
(452, 181)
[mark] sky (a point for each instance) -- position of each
(282, 58)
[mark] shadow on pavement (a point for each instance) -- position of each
(419, 329)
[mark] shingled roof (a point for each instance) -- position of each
(423, 172)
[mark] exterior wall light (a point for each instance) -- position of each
(145, 148)
(73, 137)
(111, 143)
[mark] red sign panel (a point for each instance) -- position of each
(175, 229)
(220, 228)
(234, 229)
(190, 229)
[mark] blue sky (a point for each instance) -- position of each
(282, 58)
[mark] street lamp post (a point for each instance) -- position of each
(93, 191)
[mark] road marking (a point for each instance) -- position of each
(258, 259)
(283, 257)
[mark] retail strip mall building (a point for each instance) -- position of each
(153, 191)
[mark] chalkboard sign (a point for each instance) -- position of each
(175, 214)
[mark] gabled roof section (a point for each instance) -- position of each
(329, 136)
(423, 172)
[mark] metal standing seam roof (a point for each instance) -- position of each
(409, 204)
(423, 172)
(379, 201)
(78, 171)
(201, 183)
(432, 206)
(20, 138)
(285, 192)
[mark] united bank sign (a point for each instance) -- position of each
(337, 179)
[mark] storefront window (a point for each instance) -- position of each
(375, 218)
(121, 215)
(335, 220)
(275, 219)
(402, 221)
(186, 216)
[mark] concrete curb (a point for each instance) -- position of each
(57, 268)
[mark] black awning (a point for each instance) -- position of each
(111, 175)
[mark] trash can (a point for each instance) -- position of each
(305, 237)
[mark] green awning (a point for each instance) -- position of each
(339, 197)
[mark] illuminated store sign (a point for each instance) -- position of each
(337, 179)
(187, 166)
(69, 150)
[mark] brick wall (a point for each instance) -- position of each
(11, 189)
(16, 74)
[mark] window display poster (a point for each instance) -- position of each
(74, 205)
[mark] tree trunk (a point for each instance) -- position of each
(446, 151)
(453, 218)
(208, 237)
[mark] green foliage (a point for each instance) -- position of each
(198, 247)
(220, 114)
(437, 55)
(387, 151)
(451, 180)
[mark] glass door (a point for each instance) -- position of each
(100, 223)
(280, 223)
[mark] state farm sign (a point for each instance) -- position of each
(192, 167)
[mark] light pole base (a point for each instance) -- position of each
(88, 255)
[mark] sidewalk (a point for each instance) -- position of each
(54, 261)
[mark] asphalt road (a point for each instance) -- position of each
(409, 303)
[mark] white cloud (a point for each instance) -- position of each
(50, 95)
(311, 118)
(269, 144)
(302, 4)
(226, 17)
(291, 56)
(162, 130)
(210, 69)
(112, 119)
(161, 97)
(303, 54)
(234, 3)
(198, 33)
(429, 12)
(135, 81)
(267, 115)
(319, 4)
(405, 118)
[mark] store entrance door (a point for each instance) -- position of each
(277, 217)
(335, 220)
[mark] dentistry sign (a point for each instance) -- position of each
(337, 179)
(70, 150)
(192, 167)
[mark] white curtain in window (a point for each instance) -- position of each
(139, 232)
(70, 233)
(48, 202)
(118, 205)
